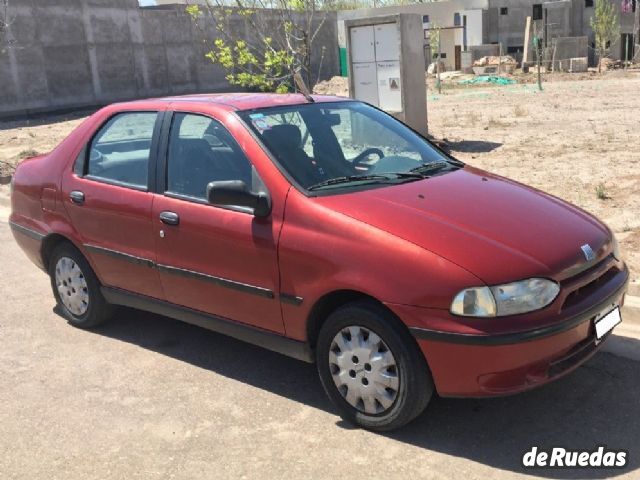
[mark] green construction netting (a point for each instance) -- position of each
(488, 79)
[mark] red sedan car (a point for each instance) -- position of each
(324, 229)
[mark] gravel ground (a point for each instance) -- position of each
(152, 398)
(578, 140)
(149, 397)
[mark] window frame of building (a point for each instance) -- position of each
(537, 12)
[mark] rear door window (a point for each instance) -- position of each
(120, 151)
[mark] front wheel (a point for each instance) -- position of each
(371, 367)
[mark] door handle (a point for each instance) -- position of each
(170, 218)
(77, 197)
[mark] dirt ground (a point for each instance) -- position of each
(27, 138)
(147, 397)
(579, 140)
(144, 396)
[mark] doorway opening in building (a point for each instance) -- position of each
(627, 47)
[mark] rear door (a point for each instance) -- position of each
(218, 260)
(108, 200)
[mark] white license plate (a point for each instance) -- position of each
(605, 324)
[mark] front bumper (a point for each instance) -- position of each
(481, 365)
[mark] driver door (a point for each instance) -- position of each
(217, 260)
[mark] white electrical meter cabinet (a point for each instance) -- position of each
(387, 67)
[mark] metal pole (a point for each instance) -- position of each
(636, 29)
(626, 51)
(527, 42)
(536, 43)
(634, 35)
(546, 25)
(438, 63)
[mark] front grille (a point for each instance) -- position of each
(584, 272)
(583, 292)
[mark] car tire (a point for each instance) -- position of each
(396, 381)
(76, 288)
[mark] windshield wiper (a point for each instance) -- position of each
(409, 175)
(421, 172)
(430, 167)
(349, 179)
(417, 173)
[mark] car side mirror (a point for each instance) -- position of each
(236, 192)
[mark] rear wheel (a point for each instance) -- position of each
(371, 367)
(76, 288)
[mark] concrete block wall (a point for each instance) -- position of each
(479, 51)
(567, 48)
(564, 19)
(64, 54)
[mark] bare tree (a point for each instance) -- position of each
(606, 28)
(262, 43)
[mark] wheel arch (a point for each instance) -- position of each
(329, 303)
(50, 242)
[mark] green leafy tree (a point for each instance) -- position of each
(261, 51)
(434, 38)
(434, 45)
(606, 28)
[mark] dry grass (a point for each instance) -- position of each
(609, 135)
(498, 123)
(520, 111)
(601, 192)
(473, 118)
(30, 152)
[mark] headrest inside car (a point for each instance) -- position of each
(284, 137)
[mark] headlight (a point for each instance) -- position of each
(507, 299)
(615, 247)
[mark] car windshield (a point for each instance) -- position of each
(327, 146)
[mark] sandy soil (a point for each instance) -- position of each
(21, 139)
(579, 140)
(146, 397)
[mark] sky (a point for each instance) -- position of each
(146, 3)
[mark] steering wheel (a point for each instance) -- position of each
(96, 157)
(359, 161)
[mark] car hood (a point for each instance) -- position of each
(496, 228)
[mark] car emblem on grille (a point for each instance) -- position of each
(588, 252)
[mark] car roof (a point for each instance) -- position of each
(239, 101)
